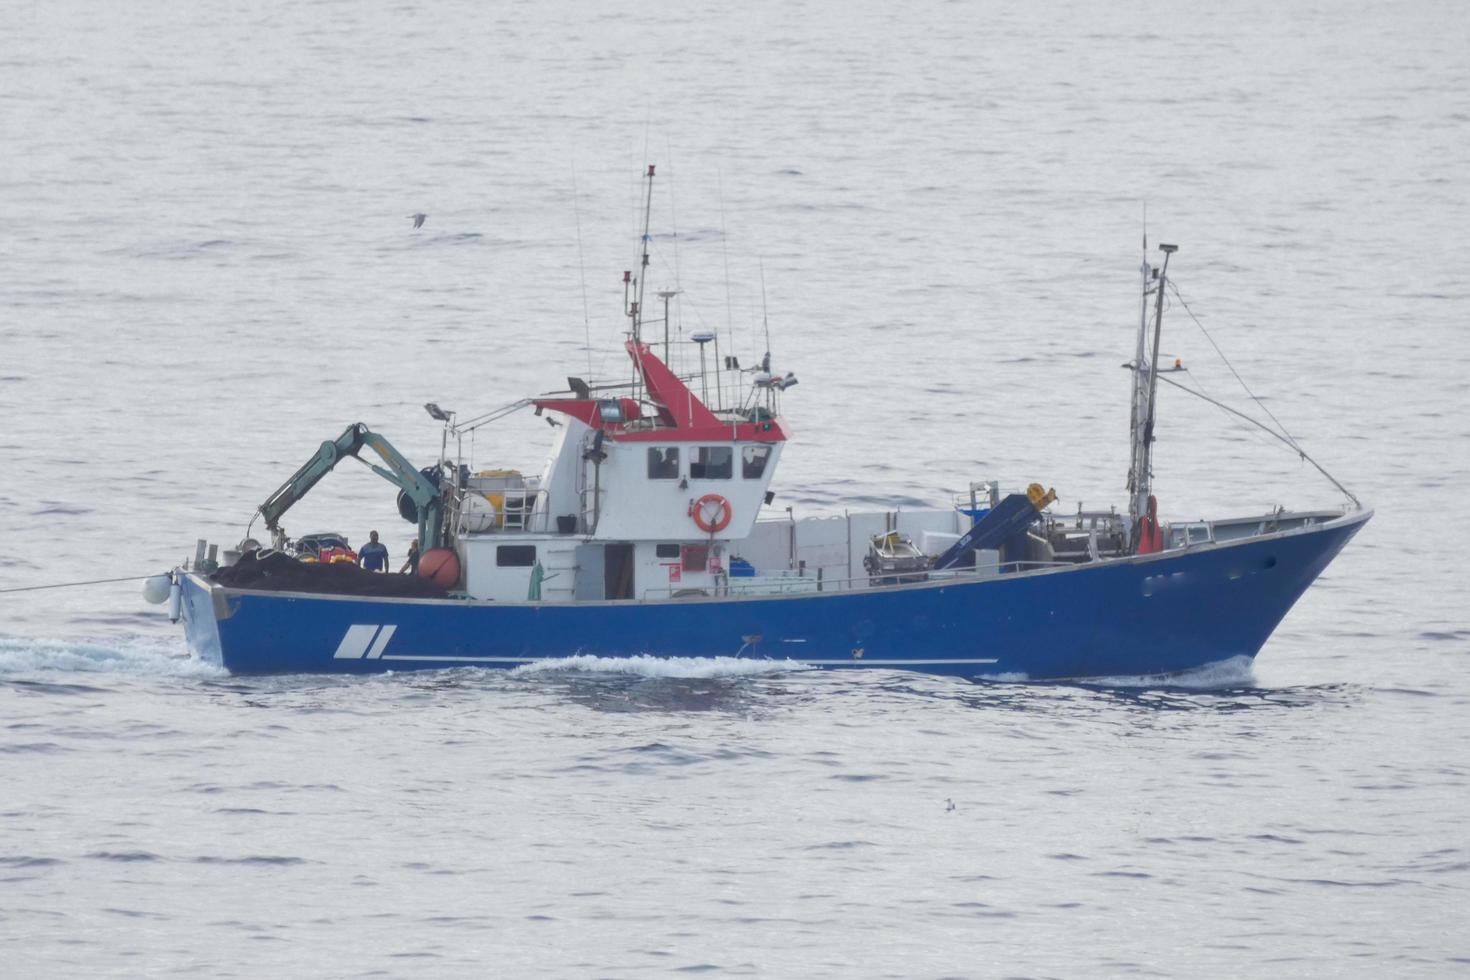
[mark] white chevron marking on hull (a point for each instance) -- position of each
(355, 643)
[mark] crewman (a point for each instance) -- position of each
(374, 555)
(412, 564)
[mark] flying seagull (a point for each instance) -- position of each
(418, 219)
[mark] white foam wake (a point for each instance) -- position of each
(644, 665)
(1232, 673)
(25, 655)
(1235, 672)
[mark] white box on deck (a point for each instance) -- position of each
(934, 543)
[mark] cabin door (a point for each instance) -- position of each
(589, 572)
(617, 571)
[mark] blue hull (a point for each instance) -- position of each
(1154, 614)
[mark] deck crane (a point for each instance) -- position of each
(416, 485)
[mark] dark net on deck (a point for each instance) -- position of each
(272, 571)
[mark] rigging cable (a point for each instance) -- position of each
(1289, 439)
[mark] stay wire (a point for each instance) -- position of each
(1285, 439)
(1199, 385)
(1289, 438)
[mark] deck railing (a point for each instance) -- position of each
(793, 584)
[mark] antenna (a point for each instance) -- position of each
(765, 319)
(701, 338)
(674, 221)
(582, 273)
(725, 249)
(1153, 370)
(637, 309)
(666, 295)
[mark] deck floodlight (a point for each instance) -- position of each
(438, 413)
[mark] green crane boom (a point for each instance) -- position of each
(427, 497)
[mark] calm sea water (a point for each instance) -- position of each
(207, 268)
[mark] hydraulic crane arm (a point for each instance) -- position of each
(397, 470)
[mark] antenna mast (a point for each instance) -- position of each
(1145, 389)
(765, 315)
(636, 310)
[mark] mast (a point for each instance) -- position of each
(1145, 390)
(636, 311)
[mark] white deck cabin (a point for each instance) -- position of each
(642, 495)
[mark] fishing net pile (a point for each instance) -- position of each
(273, 571)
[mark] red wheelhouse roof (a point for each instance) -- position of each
(683, 417)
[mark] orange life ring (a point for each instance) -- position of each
(711, 525)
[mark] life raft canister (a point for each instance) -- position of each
(700, 511)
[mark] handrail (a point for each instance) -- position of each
(485, 418)
(534, 519)
(803, 584)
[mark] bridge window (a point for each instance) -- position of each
(515, 555)
(753, 461)
(663, 463)
(712, 463)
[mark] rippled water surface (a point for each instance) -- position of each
(207, 268)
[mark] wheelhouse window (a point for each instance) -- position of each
(663, 463)
(711, 463)
(515, 555)
(753, 461)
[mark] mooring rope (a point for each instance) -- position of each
(68, 585)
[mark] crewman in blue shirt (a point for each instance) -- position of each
(374, 555)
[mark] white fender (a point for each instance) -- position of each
(156, 589)
(175, 598)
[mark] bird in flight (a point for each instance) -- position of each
(418, 219)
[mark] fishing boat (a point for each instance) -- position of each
(650, 531)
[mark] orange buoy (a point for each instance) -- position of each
(440, 566)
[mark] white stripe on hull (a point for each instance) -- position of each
(859, 661)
